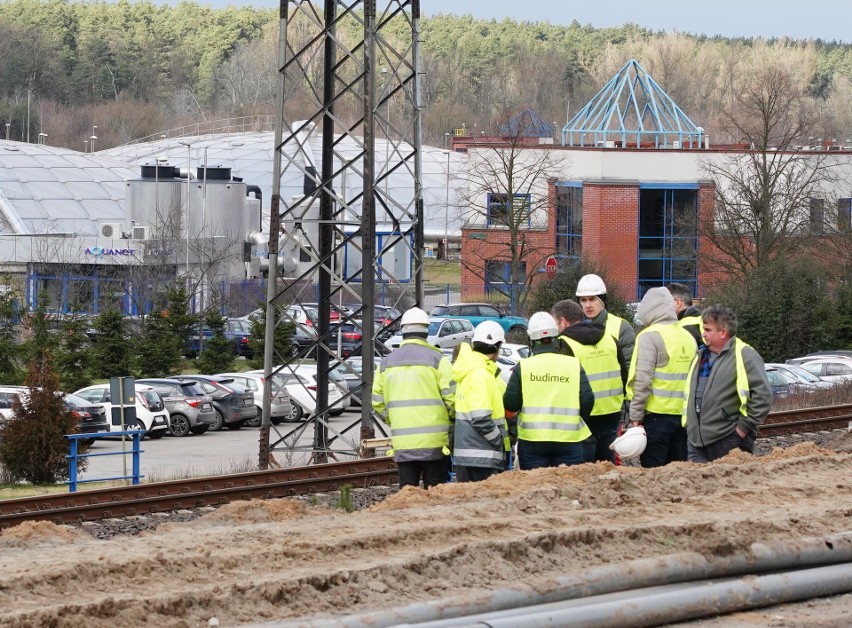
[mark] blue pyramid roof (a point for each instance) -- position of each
(632, 110)
(527, 124)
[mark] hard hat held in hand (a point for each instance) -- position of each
(416, 318)
(541, 326)
(590, 286)
(630, 444)
(489, 333)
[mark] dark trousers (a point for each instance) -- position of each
(604, 430)
(474, 474)
(722, 447)
(540, 454)
(433, 472)
(666, 440)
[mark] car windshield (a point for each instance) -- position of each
(433, 328)
(150, 396)
(192, 389)
(439, 310)
(524, 352)
(805, 375)
(77, 402)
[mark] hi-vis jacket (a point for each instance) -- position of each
(600, 361)
(621, 331)
(480, 429)
(553, 395)
(414, 393)
(667, 372)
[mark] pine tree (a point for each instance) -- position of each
(218, 353)
(283, 340)
(181, 322)
(159, 351)
(112, 350)
(10, 350)
(32, 442)
(74, 355)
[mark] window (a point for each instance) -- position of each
(487, 310)
(817, 222)
(844, 214)
(668, 240)
(468, 310)
(501, 213)
(569, 219)
(498, 278)
(835, 368)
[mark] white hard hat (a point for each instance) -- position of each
(590, 286)
(541, 326)
(414, 320)
(630, 444)
(489, 333)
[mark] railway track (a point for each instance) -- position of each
(192, 493)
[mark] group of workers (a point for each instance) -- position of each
(685, 388)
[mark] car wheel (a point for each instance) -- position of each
(218, 423)
(88, 442)
(296, 413)
(199, 429)
(178, 425)
(256, 421)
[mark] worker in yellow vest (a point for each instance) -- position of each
(656, 381)
(688, 315)
(414, 393)
(553, 398)
(481, 436)
(604, 366)
(591, 294)
(728, 394)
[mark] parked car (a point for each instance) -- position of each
(232, 402)
(151, 414)
(91, 417)
(388, 319)
(237, 330)
(781, 385)
(301, 386)
(280, 408)
(334, 310)
(300, 314)
(352, 376)
(444, 333)
(831, 369)
(820, 354)
(478, 312)
(513, 353)
(801, 379)
(190, 409)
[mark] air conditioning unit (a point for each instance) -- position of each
(139, 232)
(111, 230)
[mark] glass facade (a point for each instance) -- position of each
(569, 219)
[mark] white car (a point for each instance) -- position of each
(513, 353)
(255, 382)
(151, 413)
(301, 385)
(444, 333)
(830, 368)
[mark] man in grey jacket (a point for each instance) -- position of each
(728, 393)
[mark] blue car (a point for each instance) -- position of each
(478, 312)
(237, 330)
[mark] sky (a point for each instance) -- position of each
(803, 19)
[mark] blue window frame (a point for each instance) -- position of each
(668, 235)
(569, 219)
(498, 278)
(502, 214)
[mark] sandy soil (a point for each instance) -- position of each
(262, 561)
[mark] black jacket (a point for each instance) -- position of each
(589, 333)
(695, 330)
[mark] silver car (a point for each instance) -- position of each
(444, 333)
(190, 410)
(255, 382)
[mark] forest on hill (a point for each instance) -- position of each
(138, 68)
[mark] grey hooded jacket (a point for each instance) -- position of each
(720, 406)
(657, 307)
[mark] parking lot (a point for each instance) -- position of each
(215, 453)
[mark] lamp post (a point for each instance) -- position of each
(29, 97)
(447, 212)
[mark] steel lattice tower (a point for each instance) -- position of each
(348, 76)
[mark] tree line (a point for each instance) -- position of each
(137, 68)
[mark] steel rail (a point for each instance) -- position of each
(125, 501)
(787, 422)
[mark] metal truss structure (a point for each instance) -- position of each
(348, 79)
(632, 110)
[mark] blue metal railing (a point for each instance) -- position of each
(74, 455)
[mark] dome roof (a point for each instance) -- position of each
(48, 189)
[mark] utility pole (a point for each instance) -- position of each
(29, 97)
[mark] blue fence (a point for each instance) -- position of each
(74, 456)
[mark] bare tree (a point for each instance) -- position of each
(504, 193)
(768, 196)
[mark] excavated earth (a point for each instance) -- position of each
(284, 559)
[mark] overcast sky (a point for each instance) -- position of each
(825, 19)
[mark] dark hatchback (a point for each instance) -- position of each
(91, 418)
(233, 402)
